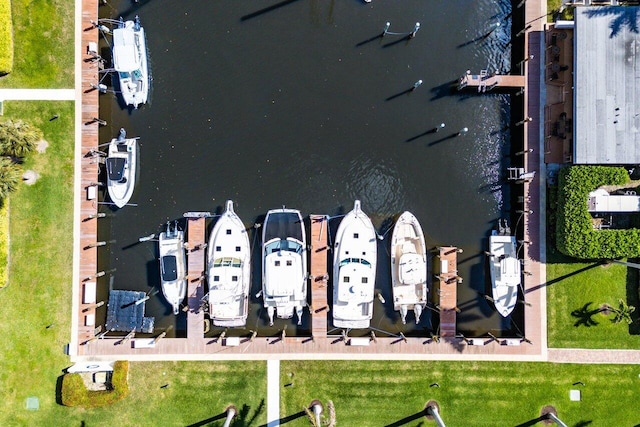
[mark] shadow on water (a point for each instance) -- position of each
(408, 419)
(267, 9)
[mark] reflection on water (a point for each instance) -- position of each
(303, 104)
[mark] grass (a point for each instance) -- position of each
(39, 295)
(6, 37)
(43, 40)
(4, 244)
(469, 393)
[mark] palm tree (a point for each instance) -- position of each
(623, 312)
(10, 176)
(18, 138)
(315, 410)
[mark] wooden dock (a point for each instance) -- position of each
(319, 275)
(195, 275)
(447, 288)
(485, 82)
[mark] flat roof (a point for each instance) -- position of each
(607, 85)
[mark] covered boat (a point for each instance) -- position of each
(354, 270)
(228, 270)
(408, 267)
(284, 264)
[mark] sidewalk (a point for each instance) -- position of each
(588, 356)
(37, 94)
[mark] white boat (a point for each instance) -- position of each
(505, 269)
(229, 274)
(408, 267)
(173, 275)
(130, 62)
(284, 264)
(122, 168)
(354, 270)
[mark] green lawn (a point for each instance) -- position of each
(43, 35)
(469, 393)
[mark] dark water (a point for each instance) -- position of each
(301, 103)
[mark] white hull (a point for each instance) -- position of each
(130, 62)
(173, 275)
(228, 274)
(408, 266)
(122, 169)
(505, 272)
(354, 270)
(284, 264)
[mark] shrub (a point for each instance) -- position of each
(74, 392)
(6, 38)
(575, 235)
(18, 138)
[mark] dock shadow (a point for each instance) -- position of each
(443, 90)
(267, 10)
(408, 419)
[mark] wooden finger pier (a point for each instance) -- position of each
(319, 308)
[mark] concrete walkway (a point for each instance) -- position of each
(273, 393)
(37, 94)
(588, 356)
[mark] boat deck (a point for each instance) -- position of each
(447, 289)
(319, 308)
(195, 276)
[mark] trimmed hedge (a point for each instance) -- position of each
(6, 38)
(74, 392)
(575, 235)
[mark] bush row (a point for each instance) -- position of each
(74, 392)
(575, 235)
(6, 38)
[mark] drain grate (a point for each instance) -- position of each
(33, 403)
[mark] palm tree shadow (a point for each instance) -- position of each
(244, 418)
(625, 17)
(585, 316)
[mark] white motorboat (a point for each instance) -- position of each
(408, 267)
(505, 269)
(122, 168)
(228, 270)
(284, 264)
(354, 270)
(130, 62)
(173, 261)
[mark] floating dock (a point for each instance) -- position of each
(195, 276)
(486, 81)
(319, 244)
(446, 288)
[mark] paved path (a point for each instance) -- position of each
(580, 355)
(273, 393)
(37, 94)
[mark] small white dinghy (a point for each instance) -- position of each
(408, 267)
(173, 260)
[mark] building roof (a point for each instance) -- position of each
(607, 85)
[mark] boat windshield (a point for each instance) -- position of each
(227, 262)
(355, 260)
(169, 268)
(137, 74)
(124, 74)
(115, 168)
(283, 245)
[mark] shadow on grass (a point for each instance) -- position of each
(633, 297)
(585, 315)
(209, 420)
(288, 418)
(407, 420)
(243, 418)
(532, 422)
(566, 276)
(59, 390)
